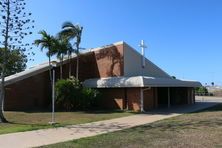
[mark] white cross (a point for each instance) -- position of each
(143, 46)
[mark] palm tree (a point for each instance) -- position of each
(71, 31)
(48, 42)
(62, 47)
(70, 51)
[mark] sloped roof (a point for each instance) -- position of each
(45, 66)
(138, 81)
(27, 73)
(134, 67)
(126, 81)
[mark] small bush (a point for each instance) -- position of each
(201, 91)
(65, 94)
(70, 95)
(90, 97)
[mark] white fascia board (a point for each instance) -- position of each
(27, 73)
(163, 82)
(137, 81)
(114, 82)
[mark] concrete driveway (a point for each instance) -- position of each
(56, 135)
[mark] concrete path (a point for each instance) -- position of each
(55, 135)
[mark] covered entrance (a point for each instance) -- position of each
(167, 96)
(141, 93)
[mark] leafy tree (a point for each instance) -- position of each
(48, 42)
(71, 31)
(14, 25)
(201, 90)
(16, 61)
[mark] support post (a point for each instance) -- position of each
(141, 100)
(53, 97)
(53, 65)
(168, 97)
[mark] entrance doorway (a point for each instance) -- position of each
(162, 93)
(177, 96)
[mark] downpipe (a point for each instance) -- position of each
(142, 99)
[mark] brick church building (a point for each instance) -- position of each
(115, 70)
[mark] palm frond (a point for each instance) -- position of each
(68, 24)
(46, 41)
(68, 33)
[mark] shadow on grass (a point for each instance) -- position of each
(93, 111)
(181, 123)
(175, 126)
(107, 111)
(28, 124)
(182, 109)
(98, 127)
(215, 108)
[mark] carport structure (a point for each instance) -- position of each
(142, 93)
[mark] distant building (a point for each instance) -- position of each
(116, 71)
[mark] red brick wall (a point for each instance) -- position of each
(133, 97)
(107, 62)
(28, 93)
(116, 98)
(110, 61)
(35, 91)
(149, 99)
(112, 98)
(155, 94)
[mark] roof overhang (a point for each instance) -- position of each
(138, 81)
(26, 74)
(32, 71)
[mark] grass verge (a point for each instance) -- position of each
(25, 121)
(199, 129)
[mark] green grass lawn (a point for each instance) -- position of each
(24, 121)
(200, 129)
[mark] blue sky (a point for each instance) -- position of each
(184, 37)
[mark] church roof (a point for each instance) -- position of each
(134, 75)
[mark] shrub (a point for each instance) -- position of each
(90, 97)
(70, 95)
(65, 94)
(202, 91)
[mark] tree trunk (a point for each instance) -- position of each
(77, 62)
(70, 68)
(61, 64)
(2, 118)
(2, 98)
(77, 66)
(50, 67)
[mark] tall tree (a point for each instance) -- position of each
(48, 42)
(62, 47)
(73, 32)
(14, 25)
(70, 50)
(16, 61)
